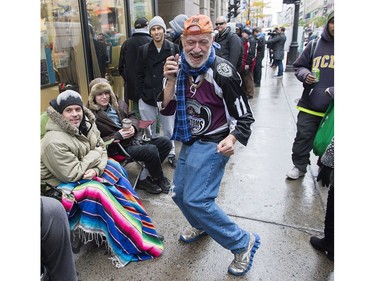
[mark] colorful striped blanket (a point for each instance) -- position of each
(111, 211)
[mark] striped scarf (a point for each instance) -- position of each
(182, 130)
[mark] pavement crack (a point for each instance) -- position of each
(308, 230)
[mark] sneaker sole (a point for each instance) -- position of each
(192, 240)
(252, 253)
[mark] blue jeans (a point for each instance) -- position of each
(197, 179)
(280, 67)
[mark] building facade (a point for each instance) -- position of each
(81, 40)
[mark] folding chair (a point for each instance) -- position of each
(124, 158)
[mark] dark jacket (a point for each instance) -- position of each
(150, 70)
(234, 97)
(261, 48)
(231, 47)
(128, 60)
(251, 54)
(314, 97)
(101, 56)
(278, 43)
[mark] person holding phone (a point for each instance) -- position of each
(212, 114)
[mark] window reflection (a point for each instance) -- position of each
(60, 41)
(65, 60)
(106, 20)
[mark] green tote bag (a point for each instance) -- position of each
(325, 132)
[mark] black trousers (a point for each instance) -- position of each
(153, 153)
(329, 220)
(258, 71)
(307, 125)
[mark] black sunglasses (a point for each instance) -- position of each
(219, 23)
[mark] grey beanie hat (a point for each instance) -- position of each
(177, 23)
(156, 21)
(67, 98)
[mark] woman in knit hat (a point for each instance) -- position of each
(74, 160)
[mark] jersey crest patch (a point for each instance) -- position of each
(224, 69)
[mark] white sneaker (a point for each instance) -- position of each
(294, 173)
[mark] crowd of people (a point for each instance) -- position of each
(194, 80)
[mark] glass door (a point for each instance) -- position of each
(107, 29)
(62, 52)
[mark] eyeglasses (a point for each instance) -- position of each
(219, 23)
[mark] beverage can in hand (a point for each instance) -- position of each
(316, 73)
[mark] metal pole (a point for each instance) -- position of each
(292, 54)
(248, 11)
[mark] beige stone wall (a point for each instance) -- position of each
(168, 9)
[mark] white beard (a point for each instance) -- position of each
(205, 58)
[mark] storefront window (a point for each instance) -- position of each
(75, 50)
(60, 43)
(139, 9)
(106, 21)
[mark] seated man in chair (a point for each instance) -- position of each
(109, 114)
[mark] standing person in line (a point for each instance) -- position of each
(150, 62)
(239, 28)
(231, 45)
(314, 101)
(177, 25)
(211, 115)
(128, 60)
(109, 113)
(326, 175)
(261, 48)
(246, 73)
(278, 43)
(56, 249)
(251, 57)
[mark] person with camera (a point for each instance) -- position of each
(278, 43)
(270, 46)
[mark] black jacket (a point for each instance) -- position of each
(231, 47)
(261, 48)
(149, 70)
(128, 60)
(251, 53)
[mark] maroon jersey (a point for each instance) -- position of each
(205, 110)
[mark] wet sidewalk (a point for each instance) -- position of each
(256, 194)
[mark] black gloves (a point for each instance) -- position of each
(325, 175)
